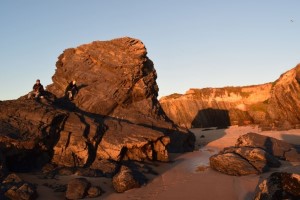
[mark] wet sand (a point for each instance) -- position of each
(188, 175)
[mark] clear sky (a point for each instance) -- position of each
(193, 43)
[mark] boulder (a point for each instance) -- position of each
(239, 161)
(94, 192)
(14, 188)
(77, 188)
(259, 158)
(231, 164)
(273, 146)
(279, 185)
(124, 180)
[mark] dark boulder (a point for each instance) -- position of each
(94, 192)
(14, 188)
(125, 180)
(279, 185)
(77, 188)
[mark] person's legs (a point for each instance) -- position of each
(73, 93)
(36, 95)
(29, 95)
(70, 95)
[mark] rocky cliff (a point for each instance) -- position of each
(271, 105)
(115, 116)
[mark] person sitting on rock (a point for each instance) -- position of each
(71, 90)
(38, 90)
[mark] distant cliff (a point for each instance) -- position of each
(271, 105)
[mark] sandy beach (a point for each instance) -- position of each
(187, 176)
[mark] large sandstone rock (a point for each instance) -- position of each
(253, 154)
(117, 79)
(115, 116)
(272, 105)
(243, 161)
(279, 185)
(231, 164)
(273, 146)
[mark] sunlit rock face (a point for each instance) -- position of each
(114, 117)
(273, 105)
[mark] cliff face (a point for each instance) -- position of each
(269, 105)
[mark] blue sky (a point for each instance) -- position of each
(193, 43)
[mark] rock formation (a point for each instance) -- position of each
(14, 188)
(279, 185)
(271, 105)
(117, 79)
(77, 188)
(115, 116)
(124, 180)
(273, 146)
(253, 154)
(243, 161)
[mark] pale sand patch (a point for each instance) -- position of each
(180, 178)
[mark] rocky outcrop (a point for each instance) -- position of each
(279, 185)
(272, 105)
(253, 154)
(115, 116)
(34, 133)
(117, 79)
(239, 161)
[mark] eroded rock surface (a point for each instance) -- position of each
(125, 180)
(278, 148)
(77, 188)
(14, 188)
(243, 161)
(272, 105)
(117, 79)
(114, 118)
(279, 185)
(253, 154)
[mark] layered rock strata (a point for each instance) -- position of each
(273, 105)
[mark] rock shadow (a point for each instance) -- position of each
(211, 118)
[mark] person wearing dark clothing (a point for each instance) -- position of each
(37, 90)
(71, 90)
